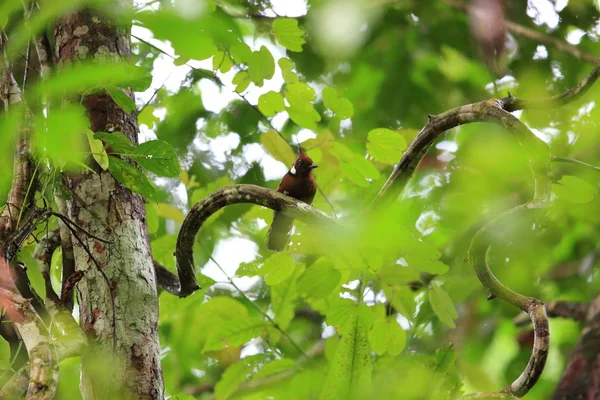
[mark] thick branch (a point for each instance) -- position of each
(221, 198)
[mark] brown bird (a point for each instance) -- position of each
(298, 183)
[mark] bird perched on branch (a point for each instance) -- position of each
(298, 183)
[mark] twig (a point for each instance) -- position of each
(108, 283)
(72, 223)
(577, 162)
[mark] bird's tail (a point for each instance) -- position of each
(277, 236)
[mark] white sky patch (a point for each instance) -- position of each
(507, 82)
(427, 222)
(214, 98)
(328, 331)
(229, 253)
(541, 53)
(252, 348)
(272, 168)
(556, 71)
(290, 8)
(404, 323)
(545, 12)
(541, 134)
(575, 36)
(447, 145)
(584, 110)
(221, 146)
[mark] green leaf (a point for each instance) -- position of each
(235, 333)
(121, 98)
(304, 115)
(190, 38)
(151, 219)
(319, 280)
(288, 34)
(574, 190)
(157, 156)
(261, 66)
(283, 299)
(385, 145)
(278, 268)
(270, 103)
(275, 367)
(80, 78)
(235, 375)
(131, 177)
(300, 93)
(442, 305)
(355, 167)
(350, 371)
(222, 62)
(240, 52)
(61, 136)
(427, 265)
(4, 355)
(241, 80)
(277, 147)
(97, 149)
(387, 336)
(147, 117)
(340, 314)
(286, 70)
(116, 142)
(301, 110)
(342, 107)
(168, 211)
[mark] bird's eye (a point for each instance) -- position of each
(301, 162)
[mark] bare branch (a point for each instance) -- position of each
(559, 309)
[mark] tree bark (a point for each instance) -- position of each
(117, 297)
(581, 379)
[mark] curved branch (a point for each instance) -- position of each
(478, 255)
(492, 110)
(486, 111)
(221, 198)
(512, 103)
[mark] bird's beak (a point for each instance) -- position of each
(313, 166)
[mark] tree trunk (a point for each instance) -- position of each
(581, 379)
(117, 297)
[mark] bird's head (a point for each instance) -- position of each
(303, 165)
